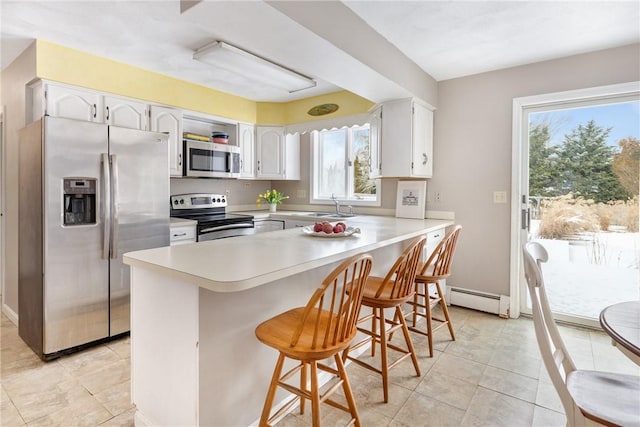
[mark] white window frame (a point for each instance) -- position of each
(313, 191)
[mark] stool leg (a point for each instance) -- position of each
(414, 316)
(445, 311)
(303, 386)
(428, 316)
(383, 353)
(271, 394)
(346, 387)
(315, 395)
(407, 338)
(374, 326)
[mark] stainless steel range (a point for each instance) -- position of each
(210, 212)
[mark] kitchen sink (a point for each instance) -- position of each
(327, 215)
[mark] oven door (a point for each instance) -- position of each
(224, 231)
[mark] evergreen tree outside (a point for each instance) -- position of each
(543, 163)
(585, 162)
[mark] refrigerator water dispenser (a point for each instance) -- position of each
(79, 201)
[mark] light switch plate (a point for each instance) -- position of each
(499, 197)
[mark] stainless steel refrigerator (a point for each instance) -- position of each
(88, 193)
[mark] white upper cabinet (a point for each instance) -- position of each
(165, 119)
(68, 102)
(125, 113)
(270, 152)
(375, 133)
(277, 154)
(247, 142)
(407, 139)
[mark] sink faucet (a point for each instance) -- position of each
(335, 200)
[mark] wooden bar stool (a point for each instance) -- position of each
(428, 291)
(321, 330)
(389, 292)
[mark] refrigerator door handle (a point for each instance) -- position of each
(114, 204)
(106, 205)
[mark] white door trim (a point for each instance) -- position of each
(3, 168)
(519, 159)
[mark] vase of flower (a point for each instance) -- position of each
(273, 199)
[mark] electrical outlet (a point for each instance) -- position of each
(227, 192)
(301, 194)
(247, 184)
(437, 196)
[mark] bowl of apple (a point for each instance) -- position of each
(327, 229)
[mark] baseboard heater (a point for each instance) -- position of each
(476, 300)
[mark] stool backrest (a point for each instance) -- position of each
(334, 307)
(438, 265)
(403, 273)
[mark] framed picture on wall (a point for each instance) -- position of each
(410, 200)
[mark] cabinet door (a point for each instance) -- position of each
(422, 148)
(62, 101)
(292, 156)
(164, 119)
(246, 140)
(270, 152)
(375, 129)
(125, 113)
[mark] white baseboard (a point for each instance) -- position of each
(477, 300)
(11, 315)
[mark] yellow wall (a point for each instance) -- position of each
(65, 65)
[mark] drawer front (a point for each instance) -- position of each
(183, 233)
(433, 238)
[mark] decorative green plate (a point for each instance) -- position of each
(322, 109)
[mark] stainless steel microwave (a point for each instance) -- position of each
(210, 160)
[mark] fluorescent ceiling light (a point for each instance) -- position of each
(236, 60)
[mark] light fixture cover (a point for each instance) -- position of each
(236, 60)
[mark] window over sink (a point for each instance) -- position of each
(341, 167)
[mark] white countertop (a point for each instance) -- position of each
(232, 265)
(181, 222)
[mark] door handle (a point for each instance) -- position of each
(114, 203)
(526, 219)
(106, 205)
(425, 158)
(107, 113)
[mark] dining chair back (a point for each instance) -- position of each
(588, 397)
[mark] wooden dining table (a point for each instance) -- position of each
(621, 322)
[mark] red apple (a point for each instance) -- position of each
(338, 228)
(317, 227)
(327, 228)
(344, 226)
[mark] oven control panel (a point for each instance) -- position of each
(198, 201)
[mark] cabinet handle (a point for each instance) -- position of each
(180, 235)
(180, 159)
(258, 165)
(425, 158)
(95, 110)
(107, 113)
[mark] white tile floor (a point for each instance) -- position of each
(491, 375)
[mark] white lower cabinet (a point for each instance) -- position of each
(292, 223)
(264, 225)
(182, 234)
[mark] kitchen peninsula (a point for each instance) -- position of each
(195, 359)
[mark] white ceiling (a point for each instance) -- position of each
(447, 39)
